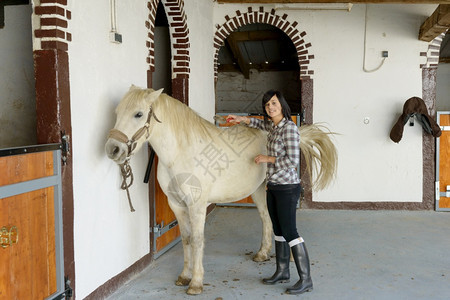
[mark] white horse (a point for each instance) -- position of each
(199, 164)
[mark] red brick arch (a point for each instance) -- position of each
(179, 35)
(432, 53)
(271, 18)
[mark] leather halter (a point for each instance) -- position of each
(131, 143)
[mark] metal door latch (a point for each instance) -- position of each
(157, 229)
(65, 147)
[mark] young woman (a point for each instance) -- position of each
(283, 187)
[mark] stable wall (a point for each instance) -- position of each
(201, 77)
(17, 95)
(236, 94)
(371, 166)
(108, 237)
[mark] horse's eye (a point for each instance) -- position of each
(138, 115)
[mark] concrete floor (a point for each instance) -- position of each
(354, 255)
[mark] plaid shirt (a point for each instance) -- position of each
(283, 142)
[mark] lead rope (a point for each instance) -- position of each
(126, 172)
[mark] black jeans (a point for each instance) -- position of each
(282, 205)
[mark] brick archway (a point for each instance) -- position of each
(179, 36)
(432, 53)
(271, 18)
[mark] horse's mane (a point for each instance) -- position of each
(185, 123)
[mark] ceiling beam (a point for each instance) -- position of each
(14, 2)
(2, 16)
(242, 36)
(234, 47)
(260, 67)
(337, 1)
(436, 24)
(256, 35)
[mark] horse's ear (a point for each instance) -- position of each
(154, 95)
(133, 87)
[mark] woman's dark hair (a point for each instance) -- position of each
(285, 109)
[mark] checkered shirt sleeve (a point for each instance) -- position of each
(258, 124)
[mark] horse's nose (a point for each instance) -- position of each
(114, 150)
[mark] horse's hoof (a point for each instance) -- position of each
(261, 257)
(194, 290)
(182, 281)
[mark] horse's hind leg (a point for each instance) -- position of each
(182, 215)
(259, 197)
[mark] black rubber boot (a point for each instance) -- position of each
(302, 262)
(282, 255)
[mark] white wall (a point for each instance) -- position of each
(443, 87)
(371, 166)
(108, 237)
(17, 91)
(201, 77)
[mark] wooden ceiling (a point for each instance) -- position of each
(437, 23)
(257, 46)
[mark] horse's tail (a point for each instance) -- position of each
(320, 154)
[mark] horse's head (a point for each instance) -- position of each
(135, 119)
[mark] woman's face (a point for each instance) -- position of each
(273, 108)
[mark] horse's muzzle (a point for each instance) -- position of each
(116, 150)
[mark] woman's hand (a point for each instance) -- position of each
(237, 119)
(264, 159)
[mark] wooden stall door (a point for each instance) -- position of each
(28, 266)
(166, 230)
(443, 171)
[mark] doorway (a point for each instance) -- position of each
(255, 58)
(17, 83)
(164, 226)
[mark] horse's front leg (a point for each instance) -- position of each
(182, 215)
(197, 215)
(259, 197)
